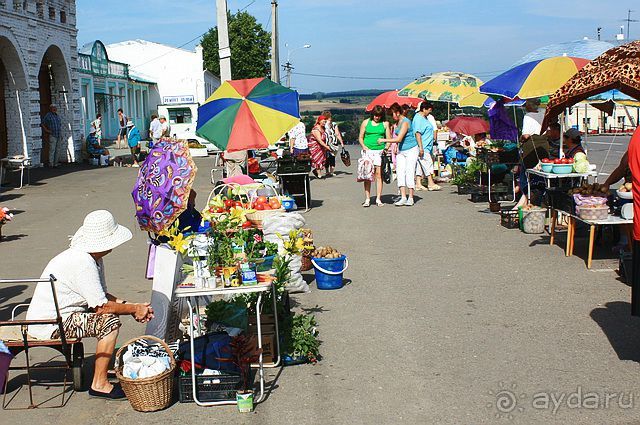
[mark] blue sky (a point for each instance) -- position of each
(392, 42)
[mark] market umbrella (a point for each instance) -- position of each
(164, 181)
(449, 87)
(248, 114)
(616, 69)
(468, 125)
(387, 99)
(534, 79)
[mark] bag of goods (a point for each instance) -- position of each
(365, 168)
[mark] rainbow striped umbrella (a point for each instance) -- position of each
(534, 79)
(248, 114)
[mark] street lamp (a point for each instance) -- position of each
(287, 66)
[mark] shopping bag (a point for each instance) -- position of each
(386, 169)
(345, 157)
(365, 168)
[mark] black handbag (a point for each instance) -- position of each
(345, 157)
(386, 169)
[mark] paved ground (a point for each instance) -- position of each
(448, 314)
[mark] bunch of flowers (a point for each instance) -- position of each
(5, 215)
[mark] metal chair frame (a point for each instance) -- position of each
(71, 349)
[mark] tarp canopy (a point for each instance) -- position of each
(617, 68)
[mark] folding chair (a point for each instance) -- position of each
(18, 340)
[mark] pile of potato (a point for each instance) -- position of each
(627, 187)
(594, 189)
(326, 252)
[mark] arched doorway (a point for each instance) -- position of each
(14, 100)
(54, 87)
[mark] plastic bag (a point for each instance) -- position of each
(365, 168)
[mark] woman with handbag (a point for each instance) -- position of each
(318, 147)
(334, 141)
(372, 131)
(410, 149)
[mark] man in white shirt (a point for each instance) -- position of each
(165, 127)
(87, 309)
(155, 129)
(532, 121)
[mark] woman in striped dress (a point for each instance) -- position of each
(318, 146)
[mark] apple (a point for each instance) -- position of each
(228, 203)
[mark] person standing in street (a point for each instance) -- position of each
(155, 130)
(425, 131)
(165, 127)
(318, 147)
(97, 126)
(122, 132)
(133, 139)
(633, 158)
(334, 141)
(298, 144)
(372, 131)
(52, 126)
(410, 149)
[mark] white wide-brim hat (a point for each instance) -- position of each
(100, 232)
(130, 123)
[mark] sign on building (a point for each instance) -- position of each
(174, 100)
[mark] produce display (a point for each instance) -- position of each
(579, 163)
(627, 187)
(326, 252)
(586, 189)
(593, 212)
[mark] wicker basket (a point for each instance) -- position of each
(258, 217)
(306, 263)
(152, 393)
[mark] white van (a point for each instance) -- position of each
(183, 118)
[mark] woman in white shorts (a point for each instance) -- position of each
(372, 131)
(410, 149)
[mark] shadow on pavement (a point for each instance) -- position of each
(622, 329)
(8, 293)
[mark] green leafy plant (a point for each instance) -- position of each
(301, 337)
(270, 249)
(243, 354)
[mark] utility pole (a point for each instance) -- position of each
(628, 21)
(275, 50)
(599, 31)
(288, 67)
(224, 49)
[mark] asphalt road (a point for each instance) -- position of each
(449, 317)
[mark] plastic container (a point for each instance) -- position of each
(598, 213)
(533, 220)
(220, 387)
(562, 168)
(329, 272)
(546, 168)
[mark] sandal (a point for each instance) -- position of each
(434, 188)
(379, 203)
(366, 204)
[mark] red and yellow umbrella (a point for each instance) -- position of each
(248, 114)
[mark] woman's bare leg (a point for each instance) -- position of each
(104, 351)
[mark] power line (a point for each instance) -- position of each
(355, 77)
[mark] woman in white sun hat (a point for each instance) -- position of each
(87, 309)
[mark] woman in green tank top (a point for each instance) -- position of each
(371, 130)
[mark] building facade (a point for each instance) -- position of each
(38, 57)
(106, 86)
(179, 74)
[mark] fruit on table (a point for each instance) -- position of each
(274, 203)
(326, 252)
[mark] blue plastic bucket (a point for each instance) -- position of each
(329, 271)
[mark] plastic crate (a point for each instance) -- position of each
(221, 387)
(509, 219)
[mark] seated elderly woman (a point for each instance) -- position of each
(94, 149)
(572, 143)
(87, 309)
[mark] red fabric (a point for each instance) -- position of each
(253, 166)
(468, 125)
(246, 133)
(245, 87)
(634, 165)
(389, 98)
(318, 154)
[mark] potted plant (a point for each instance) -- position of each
(243, 354)
(301, 339)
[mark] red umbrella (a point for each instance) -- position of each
(468, 125)
(387, 99)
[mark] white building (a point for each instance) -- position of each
(179, 74)
(38, 57)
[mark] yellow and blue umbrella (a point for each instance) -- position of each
(450, 87)
(248, 114)
(534, 79)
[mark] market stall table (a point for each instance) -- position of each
(549, 177)
(16, 163)
(190, 293)
(613, 220)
